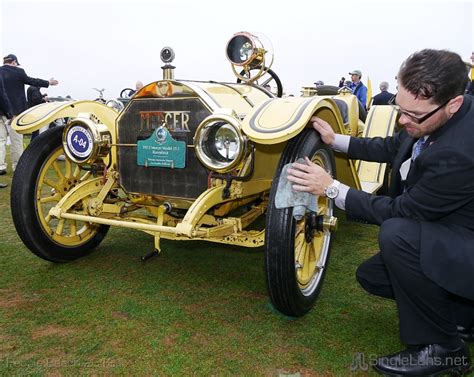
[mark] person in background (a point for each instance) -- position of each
(319, 83)
(358, 88)
(5, 116)
(426, 238)
(15, 79)
(34, 97)
(384, 96)
(342, 81)
(138, 86)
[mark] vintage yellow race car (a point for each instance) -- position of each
(193, 160)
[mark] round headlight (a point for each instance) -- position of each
(243, 49)
(167, 54)
(85, 141)
(224, 142)
(219, 144)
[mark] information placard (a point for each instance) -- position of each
(161, 150)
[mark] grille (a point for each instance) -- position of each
(142, 117)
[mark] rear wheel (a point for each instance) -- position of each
(41, 180)
(295, 264)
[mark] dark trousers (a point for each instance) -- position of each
(428, 313)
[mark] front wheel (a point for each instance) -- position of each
(42, 178)
(295, 264)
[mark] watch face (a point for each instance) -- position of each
(331, 192)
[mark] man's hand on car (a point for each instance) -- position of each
(309, 177)
(324, 129)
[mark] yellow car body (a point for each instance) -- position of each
(199, 193)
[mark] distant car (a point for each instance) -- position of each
(193, 160)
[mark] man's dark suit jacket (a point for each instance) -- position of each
(382, 98)
(5, 108)
(15, 79)
(439, 193)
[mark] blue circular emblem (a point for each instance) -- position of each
(79, 142)
(160, 134)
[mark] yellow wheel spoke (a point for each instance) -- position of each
(47, 218)
(307, 256)
(54, 185)
(68, 166)
(73, 228)
(317, 244)
(299, 246)
(306, 263)
(77, 172)
(58, 171)
(85, 177)
(60, 227)
(48, 199)
(311, 252)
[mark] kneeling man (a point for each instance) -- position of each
(426, 240)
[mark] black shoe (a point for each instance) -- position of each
(3, 185)
(466, 334)
(427, 360)
(3, 172)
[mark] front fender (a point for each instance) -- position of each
(279, 119)
(42, 115)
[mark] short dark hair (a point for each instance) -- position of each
(436, 74)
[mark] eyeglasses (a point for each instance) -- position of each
(417, 120)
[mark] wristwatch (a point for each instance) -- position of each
(332, 191)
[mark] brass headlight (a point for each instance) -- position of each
(245, 49)
(219, 143)
(85, 140)
(250, 54)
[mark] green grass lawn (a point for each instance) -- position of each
(199, 308)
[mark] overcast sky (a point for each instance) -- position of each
(112, 44)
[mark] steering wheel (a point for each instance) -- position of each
(127, 93)
(268, 78)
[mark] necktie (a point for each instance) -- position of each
(418, 148)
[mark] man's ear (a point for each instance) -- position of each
(455, 104)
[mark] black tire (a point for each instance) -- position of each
(26, 206)
(273, 76)
(285, 289)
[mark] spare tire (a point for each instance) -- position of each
(327, 90)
